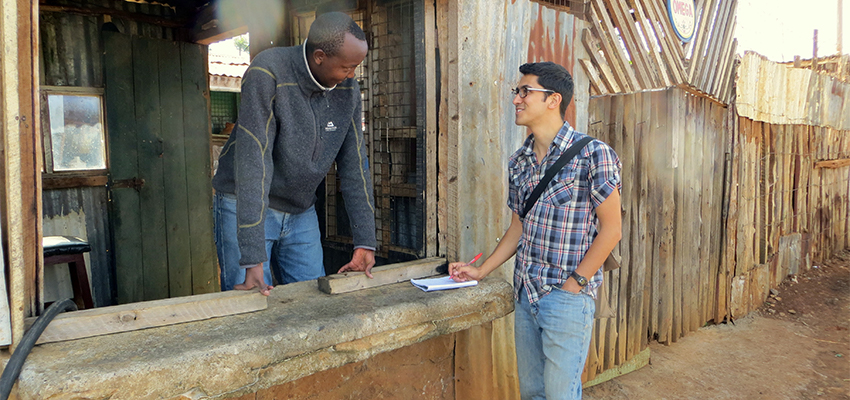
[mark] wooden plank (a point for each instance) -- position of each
(643, 276)
(705, 163)
(603, 31)
(725, 62)
(431, 177)
(729, 218)
(693, 164)
(646, 28)
(443, 123)
(718, 132)
(739, 299)
(383, 275)
(744, 252)
(149, 314)
(727, 80)
(175, 194)
(628, 244)
(597, 86)
(73, 181)
(682, 257)
(196, 122)
(16, 96)
(625, 24)
(120, 121)
(605, 327)
(664, 124)
(152, 201)
(607, 76)
(699, 165)
(720, 38)
(673, 39)
(672, 64)
(677, 55)
(639, 361)
(700, 39)
(837, 163)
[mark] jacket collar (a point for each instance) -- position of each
(311, 84)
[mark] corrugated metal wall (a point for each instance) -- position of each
(493, 40)
(71, 55)
(779, 94)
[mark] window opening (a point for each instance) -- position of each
(74, 139)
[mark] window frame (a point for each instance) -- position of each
(77, 178)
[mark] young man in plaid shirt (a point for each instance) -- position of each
(561, 243)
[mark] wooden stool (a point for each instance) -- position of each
(69, 249)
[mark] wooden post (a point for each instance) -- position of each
(431, 138)
(840, 27)
(21, 200)
(815, 52)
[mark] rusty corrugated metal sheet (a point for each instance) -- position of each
(71, 53)
(495, 39)
(774, 93)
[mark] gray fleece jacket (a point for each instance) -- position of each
(289, 131)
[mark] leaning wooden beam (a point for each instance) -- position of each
(674, 63)
(593, 76)
(700, 39)
(718, 35)
(729, 75)
(149, 314)
(605, 72)
(716, 80)
(626, 26)
(645, 26)
(351, 281)
(602, 30)
(837, 163)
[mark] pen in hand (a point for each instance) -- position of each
(472, 261)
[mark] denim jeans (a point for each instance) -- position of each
(293, 245)
(552, 340)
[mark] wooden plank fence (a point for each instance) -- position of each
(671, 146)
(785, 214)
(718, 209)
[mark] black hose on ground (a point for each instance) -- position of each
(16, 362)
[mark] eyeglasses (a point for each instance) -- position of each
(523, 91)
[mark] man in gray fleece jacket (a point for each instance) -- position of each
(300, 112)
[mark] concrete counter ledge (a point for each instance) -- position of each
(303, 331)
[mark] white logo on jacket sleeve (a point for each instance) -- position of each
(330, 127)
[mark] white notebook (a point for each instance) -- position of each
(443, 283)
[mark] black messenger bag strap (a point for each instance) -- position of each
(551, 172)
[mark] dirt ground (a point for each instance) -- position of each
(796, 346)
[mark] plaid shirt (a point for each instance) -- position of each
(560, 227)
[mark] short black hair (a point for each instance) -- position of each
(328, 32)
(553, 77)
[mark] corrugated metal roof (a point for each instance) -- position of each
(235, 70)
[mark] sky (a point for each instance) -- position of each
(781, 29)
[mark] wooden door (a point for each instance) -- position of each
(159, 141)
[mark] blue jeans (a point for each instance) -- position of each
(552, 340)
(293, 245)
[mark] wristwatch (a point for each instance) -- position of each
(582, 281)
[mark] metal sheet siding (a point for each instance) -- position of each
(71, 48)
(82, 212)
(495, 38)
(775, 93)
